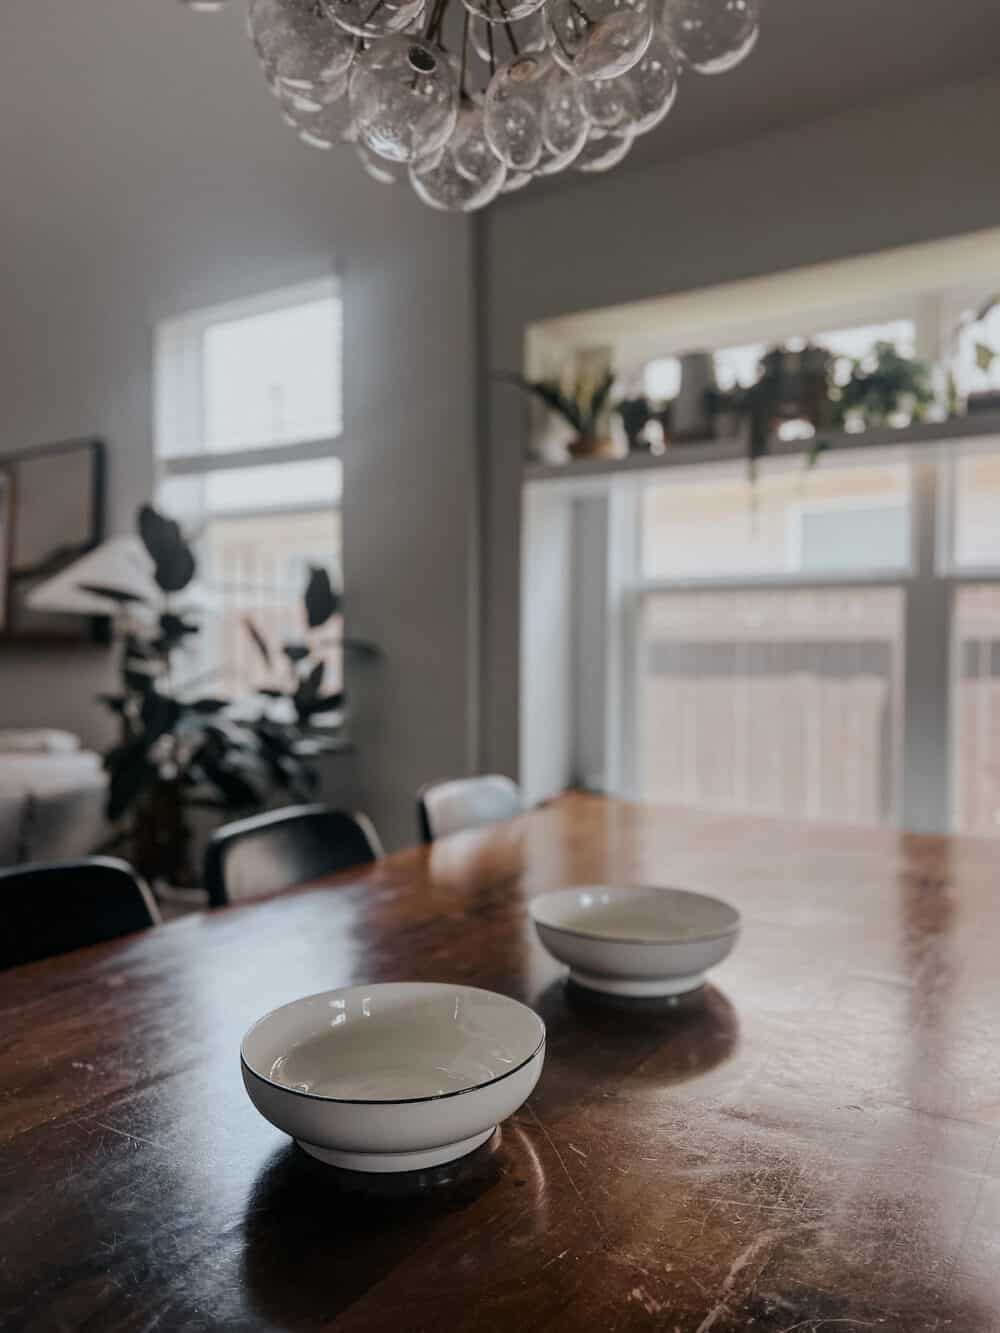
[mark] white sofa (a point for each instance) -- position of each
(51, 805)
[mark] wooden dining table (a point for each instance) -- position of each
(811, 1142)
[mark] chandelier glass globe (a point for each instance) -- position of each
(516, 180)
(653, 82)
(712, 36)
(502, 11)
(500, 42)
(565, 118)
(373, 18)
(297, 44)
(322, 117)
(386, 173)
(466, 175)
(471, 99)
(611, 103)
(514, 109)
(603, 150)
(599, 39)
(403, 97)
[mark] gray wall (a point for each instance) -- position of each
(911, 170)
(145, 171)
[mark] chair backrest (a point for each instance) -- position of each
(264, 854)
(50, 908)
(464, 803)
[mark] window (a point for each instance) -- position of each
(774, 635)
(236, 383)
(782, 703)
(706, 523)
(839, 536)
(976, 525)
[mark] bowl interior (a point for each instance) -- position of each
(635, 915)
(392, 1042)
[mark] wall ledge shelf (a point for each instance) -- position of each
(955, 430)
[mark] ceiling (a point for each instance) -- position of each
(816, 57)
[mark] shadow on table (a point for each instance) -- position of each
(317, 1238)
(595, 1040)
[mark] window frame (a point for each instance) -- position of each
(178, 366)
(925, 722)
(179, 386)
(629, 590)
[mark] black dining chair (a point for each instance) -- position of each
(466, 803)
(52, 907)
(264, 854)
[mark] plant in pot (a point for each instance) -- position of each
(584, 409)
(179, 749)
(882, 389)
(644, 424)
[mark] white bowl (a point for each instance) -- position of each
(636, 941)
(393, 1077)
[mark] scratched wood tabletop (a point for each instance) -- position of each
(809, 1144)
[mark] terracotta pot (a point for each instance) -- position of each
(584, 447)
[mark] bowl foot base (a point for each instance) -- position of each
(384, 1162)
(638, 989)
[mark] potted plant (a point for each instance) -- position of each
(181, 750)
(584, 410)
(883, 389)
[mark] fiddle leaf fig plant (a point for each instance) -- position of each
(180, 749)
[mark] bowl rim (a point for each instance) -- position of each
(663, 942)
(390, 1101)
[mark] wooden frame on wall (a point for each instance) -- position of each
(52, 502)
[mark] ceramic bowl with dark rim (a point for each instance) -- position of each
(397, 1076)
(636, 941)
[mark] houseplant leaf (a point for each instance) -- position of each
(304, 698)
(138, 678)
(112, 594)
(552, 396)
(598, 399)
(130, 773)
(160, 715)
(174, 628)
(321, 601)
(258, 640)
(238, 792)
(173, 559)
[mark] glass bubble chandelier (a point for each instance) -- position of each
(469, 99)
